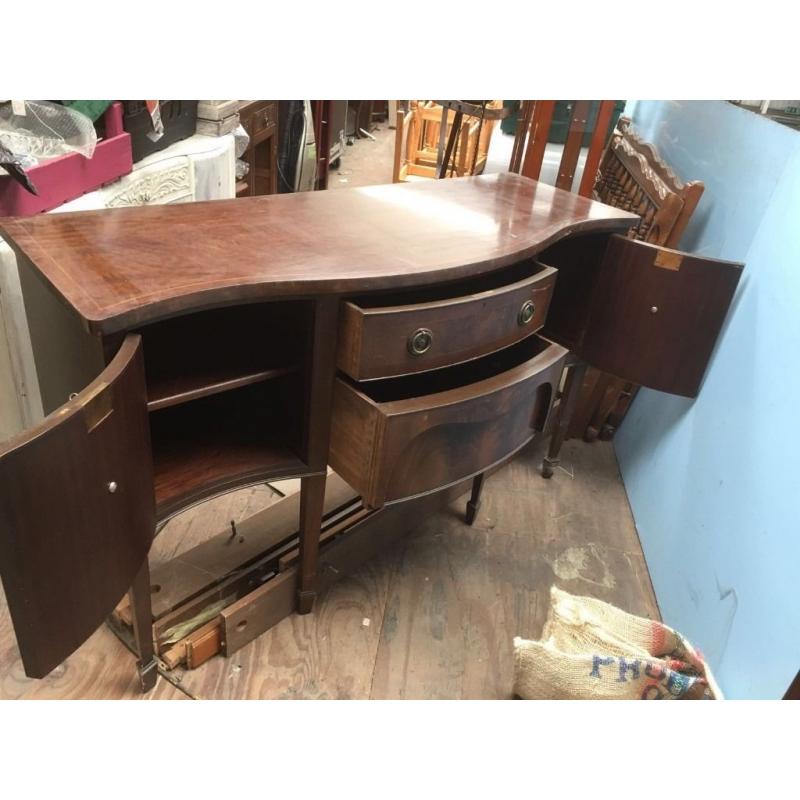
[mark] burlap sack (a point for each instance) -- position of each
(592, 650)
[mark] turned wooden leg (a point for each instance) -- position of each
(474, 502)
(312, 502)
(142, 613)
(566, 407)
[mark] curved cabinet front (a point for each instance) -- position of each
(657, 315)
(378, 339)
(399, 438)
(77, 512)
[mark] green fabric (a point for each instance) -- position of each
(563, 114)
(509, 123)
(90, 108)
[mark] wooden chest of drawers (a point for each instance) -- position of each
(389, 332)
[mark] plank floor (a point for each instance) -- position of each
(432, 617)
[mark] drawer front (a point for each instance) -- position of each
(402, 339)
(265, 118)
(392, 449)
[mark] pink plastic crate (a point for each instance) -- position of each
(67, 177)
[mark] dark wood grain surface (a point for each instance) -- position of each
(215, 351)
(657, 314)
(375, 341)
(120, 268)
(215, 444)
(403, 437)
(76, 512)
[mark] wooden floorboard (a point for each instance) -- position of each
(459, 595)
(329, 654)
(432, 617)
(101, 669)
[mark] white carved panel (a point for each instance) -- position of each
(169, 181)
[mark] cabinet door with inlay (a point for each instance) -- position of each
(656, 315)
(77, 512)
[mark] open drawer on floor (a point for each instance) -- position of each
(401, 437)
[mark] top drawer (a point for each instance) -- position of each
(382, 337)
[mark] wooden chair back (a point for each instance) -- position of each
(626, 173)
(533, 130)
(633, 176)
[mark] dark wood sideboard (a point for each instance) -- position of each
(410, 336)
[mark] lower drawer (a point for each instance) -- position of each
(401, 437)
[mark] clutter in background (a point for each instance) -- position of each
(217, 117)
(42, 129)
(86, 161)
(52, 152)
(592, 650)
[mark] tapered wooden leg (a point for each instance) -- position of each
(312, 501)
(569, 399)
(474, 502)
(321, 373)
(142, 613)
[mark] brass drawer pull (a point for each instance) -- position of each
(526, 313)
(420, 341)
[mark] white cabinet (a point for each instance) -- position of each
(197, 168)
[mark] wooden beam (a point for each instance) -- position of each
(524, 119)
(537, 141)
(572, 146)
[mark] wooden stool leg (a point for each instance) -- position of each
(312, 501)
(474, 502)
(142, 613)
(572, 389)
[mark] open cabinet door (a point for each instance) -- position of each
(77, 512)
(656, 315)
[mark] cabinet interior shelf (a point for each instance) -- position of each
(166, 391)
(221, 442)
(188, 358)
(224, 392)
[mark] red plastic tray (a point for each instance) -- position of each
(67, 177)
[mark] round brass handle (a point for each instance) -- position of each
(420, 341)
(526, 313)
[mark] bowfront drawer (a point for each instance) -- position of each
(401, 437)
(385, 337)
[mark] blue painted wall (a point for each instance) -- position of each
(714, 483)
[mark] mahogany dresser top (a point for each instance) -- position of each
(121, 268)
